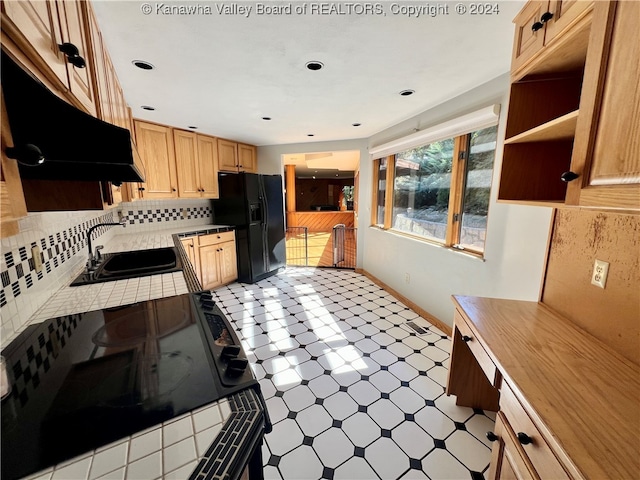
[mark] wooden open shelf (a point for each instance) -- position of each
(560, 128)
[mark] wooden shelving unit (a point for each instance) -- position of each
(561, 128)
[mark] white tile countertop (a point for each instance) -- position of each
(69, 300)
(170, 450)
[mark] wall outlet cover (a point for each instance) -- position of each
(600, 272)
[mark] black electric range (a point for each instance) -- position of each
(82, 381)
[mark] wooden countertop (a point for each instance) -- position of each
(583, 395)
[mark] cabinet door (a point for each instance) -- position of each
(527, 41)
(187, 164)
(35, 27)
(227, 262)
(73, 31)
(227, 155)
(506, 461)
(607, 145)
(564, 13)
(12, 203)
(191, 248)
(208, 162)
(98, 54)
(155, 145)
(247, 158)
(209, 268)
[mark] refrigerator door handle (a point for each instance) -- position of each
(265, 220)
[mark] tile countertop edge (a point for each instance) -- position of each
(244, 417)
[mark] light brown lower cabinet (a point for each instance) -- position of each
(566, 401)
(213, 257)
(506, 461)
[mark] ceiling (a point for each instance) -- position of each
(224, 72)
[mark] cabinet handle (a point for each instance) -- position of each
(568, 176)
(173, 189)
(524, 439)
(466, 338)
(537, 26)
(492, 437)
(546, 16)
(141, 189)
(73, 54)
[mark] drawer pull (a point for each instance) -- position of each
(546, 17)
(466, 338)
(524, 439)
(492, 437)
(568, 176)
(537, 26)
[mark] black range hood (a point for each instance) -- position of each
(75, 145)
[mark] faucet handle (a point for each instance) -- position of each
(98, 255)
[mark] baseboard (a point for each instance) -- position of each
(419, 310)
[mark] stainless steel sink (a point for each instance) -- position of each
(138, 263)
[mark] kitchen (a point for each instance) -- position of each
(516, 261)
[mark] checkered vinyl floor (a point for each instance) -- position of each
(353, 391)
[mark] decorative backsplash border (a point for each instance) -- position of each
(64, 250)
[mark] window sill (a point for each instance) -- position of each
(433, 243)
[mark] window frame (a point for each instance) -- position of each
(461, 152)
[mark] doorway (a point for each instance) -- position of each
(321, 208)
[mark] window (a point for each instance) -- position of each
(438, 191)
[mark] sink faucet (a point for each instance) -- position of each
(93, 259)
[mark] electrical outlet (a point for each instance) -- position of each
(183, 213)
(37, 259)
(599, 275)
(407, 278)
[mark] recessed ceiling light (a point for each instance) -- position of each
(356, 124)
(406, 93)
(266, 118)
(143, 65)
(310, 135)
(147, 107)
(313, 65)
(192, 127)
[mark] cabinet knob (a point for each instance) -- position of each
(73, 54)
(524, 439)
(466, 338)
(546, 16)
(568, 176)
(69, 49)
(173, 189)
(537, 26)
(492, 437)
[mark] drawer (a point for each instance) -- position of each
(538, 452)
(478, 351)
(215, 238)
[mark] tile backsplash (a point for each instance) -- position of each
(61, 238)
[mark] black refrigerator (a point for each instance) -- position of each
(254, 205)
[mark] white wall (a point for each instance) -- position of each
(516, 235)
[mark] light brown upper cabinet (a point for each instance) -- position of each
(247, 158)
(573, 113)
(34, 27)
(236, 157)
(196, 165)
(606, 155)
(155, 145)
(36, 31)
(539, 23)
(74, 31)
